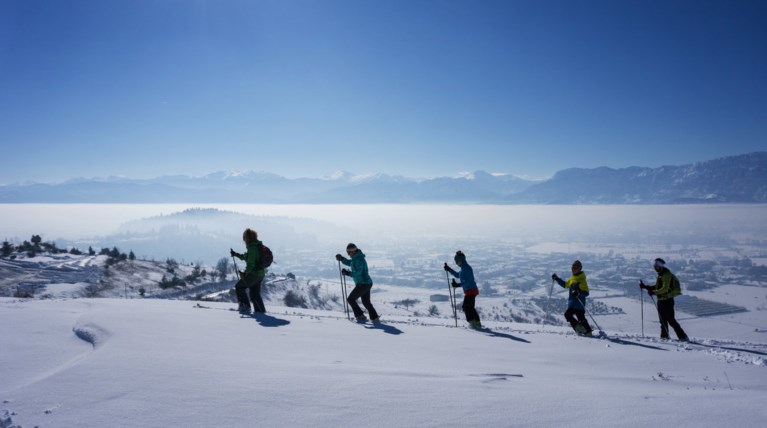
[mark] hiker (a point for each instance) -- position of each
(666, 288)
(362, 282)
(470, 290)
(251, 277)
(576, 302)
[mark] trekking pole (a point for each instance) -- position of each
(455, 308)
(343, 289)
(548, 303)
(593, 320)
(236, 271)
(641, 306)
(451, 294)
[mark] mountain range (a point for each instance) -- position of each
(733, 179)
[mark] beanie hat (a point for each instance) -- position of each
(578, 263)
(459, 255)
(351, 247)
(659, 263)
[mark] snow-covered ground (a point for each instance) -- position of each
(159, 363)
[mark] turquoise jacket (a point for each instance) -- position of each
(359, 268)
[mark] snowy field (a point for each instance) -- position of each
(67, 360)
(160, 363)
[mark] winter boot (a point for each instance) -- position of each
(580, 329)
(475, 324)
(361, 318)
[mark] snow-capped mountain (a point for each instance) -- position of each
(731, 179)
(261, 187)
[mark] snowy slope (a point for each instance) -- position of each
(160, 363)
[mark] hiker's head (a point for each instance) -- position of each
(351, 249)
(460, 258)
(659, 264)
(577, 266)
(249, 236)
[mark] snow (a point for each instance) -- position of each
(158, 363)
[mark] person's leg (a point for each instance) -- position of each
(255, 295)
(353, 296)
(670, 317)
(240, 289)
(569, 316)
(367, 303)
(470, 308)
(663, 313)
(582, 320)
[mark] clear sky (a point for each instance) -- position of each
(420, 88)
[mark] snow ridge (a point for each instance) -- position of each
(91, 333)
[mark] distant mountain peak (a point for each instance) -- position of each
(340, 175)
(741, 178)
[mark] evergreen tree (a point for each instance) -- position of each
(7, 249)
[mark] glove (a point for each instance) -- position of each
(242, 274)
(447, 268)
(650, 292)
(641, 284)
(232, 253)
(554, 276)
(339, 257)
(346, 272)
(455, 284)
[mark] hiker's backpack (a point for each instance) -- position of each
(675, 289)
(266, 257)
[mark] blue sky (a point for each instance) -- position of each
(417, 88)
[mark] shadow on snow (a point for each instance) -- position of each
(384, 327)
(266, 320)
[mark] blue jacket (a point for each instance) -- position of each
(466, 276)
(359, 268)
(578, 288)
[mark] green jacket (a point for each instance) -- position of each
(667, 285)
(252, 259)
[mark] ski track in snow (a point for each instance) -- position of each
(728, 351)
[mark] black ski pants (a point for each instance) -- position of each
(667, 317)
(469, 309)
(251, 283)
(571, 314)
(362, 291)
